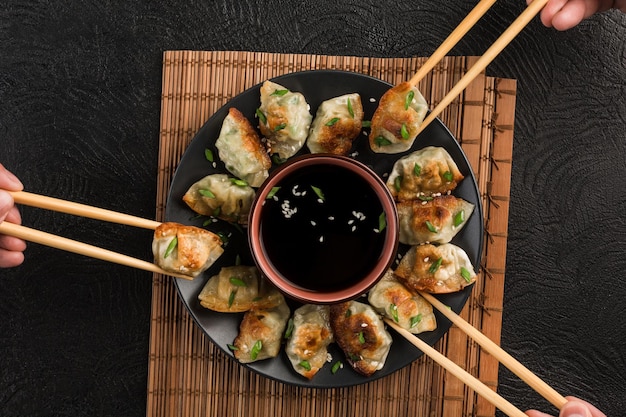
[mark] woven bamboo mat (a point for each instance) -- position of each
(189, 376)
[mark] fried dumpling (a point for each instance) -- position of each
(261, 333)
(397, 119)
(186, 250)
(436, 269)
(392, 299)
(434, 220)
(337, 123)
(360, 333)
(241, 150)
(222, 197)
(284, 119)
(308, 342)
(238, 288)
(423, 173)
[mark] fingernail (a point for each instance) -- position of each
(574, 409)
(12, 178)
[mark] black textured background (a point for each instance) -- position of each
(80, 84)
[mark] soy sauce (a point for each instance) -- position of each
(321, 228)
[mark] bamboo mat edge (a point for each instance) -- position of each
(190, 376)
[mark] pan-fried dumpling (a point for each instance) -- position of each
(435, 220)
(423, 173)
(238, 288)
(436, 269)
(186, 250)
(284, 119)
(241, 150)
(360, 333)
(397, 119)
(411, 311)
(337, 123)
(219, 196)
(261, 333)
(311, 335)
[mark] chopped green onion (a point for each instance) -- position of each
(348, 313)
(366, 123)
(261, 116)
(217, 211)
(254, 353)
(350, 109)
(336, 367)
(305, 364)
(280, 127)
(277, 159)
(448, 176)
(208, 154)
(417, 170)
(415, 320)
(409, 99)
(397, 183)
(332, 121)
(425, 197)
(404, 132)
(430, 227)
(467, 275)
(289, 329)
(361, 338)
(272, 192)
(459, 218)
(238, 260)
(231, 298)
(232, 347)
(171, 247)
(394, 312)
(279, 93)
(206, 193)
(354, 357)
(318, 192)
(382, 141)
(238, 182)
(237, 282)
(382, 221)
(435, 266)
(223, 237)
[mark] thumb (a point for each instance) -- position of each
(8, 181)
(575, 409)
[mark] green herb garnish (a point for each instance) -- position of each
(466, 274)
(231, 298)
(382, 221)
(394, 312)
(425, 198)
(171, 247)
(415, 320)
(272, 192)
(279, 93)
(305, 364)
(238, 182)
(277, 159)
(459, 218)
(404, 132)
(280, 127)
(408, 99)
(232, 347)
(208, 154)
(206, 193)
(448, 176)
(417, 170)
(366, 123)
(318, 192)
(289, 329)
(397, 183)
(348, 313)
(254, 353)
(332, 121)
(435, 266)
(361, 338)
(430, 227)
(237, 282)
(350, 109)
(382, 141)
(336, 367)
(261, 116)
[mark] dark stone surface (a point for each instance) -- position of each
(80, 87)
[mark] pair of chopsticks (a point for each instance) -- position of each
(500, 354)
(69, 245)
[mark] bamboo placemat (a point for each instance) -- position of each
(189, 376)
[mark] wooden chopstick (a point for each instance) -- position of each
(507, 36)
(465, 377)
(77, 209)
(466, 24)
(545, 390)
(69, 245)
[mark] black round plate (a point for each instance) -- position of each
(316, 86)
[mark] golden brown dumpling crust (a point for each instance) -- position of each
(196, 249)
(436, 269)
(360, 333)
(336, 125)
(391, 115)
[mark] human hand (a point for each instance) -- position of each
(565, 14)
(574, 407)
(11, 248)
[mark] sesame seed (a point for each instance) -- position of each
(353, 228)
(372, 100)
